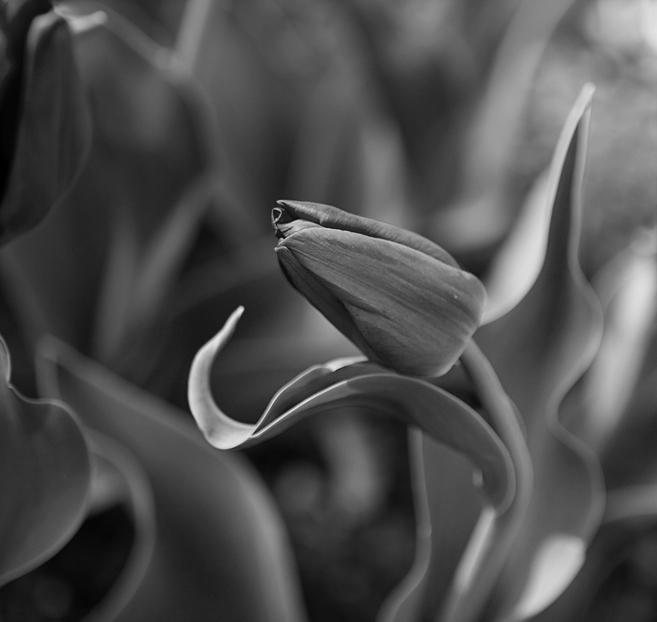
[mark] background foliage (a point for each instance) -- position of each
(143, 147)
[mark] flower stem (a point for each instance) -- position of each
(494, 536)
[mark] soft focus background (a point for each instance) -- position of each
(435, 115)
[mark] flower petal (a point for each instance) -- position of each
(415, 313)
(334, 218)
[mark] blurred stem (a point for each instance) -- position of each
(191, 31)
(494, 536)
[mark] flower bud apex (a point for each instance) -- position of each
(400, 298)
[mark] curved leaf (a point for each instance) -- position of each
(101, 566)
(53, 133)
(220, 550)
(344, 382)
(44, 477)
(518, 262)
(117, 469)
(539, 349)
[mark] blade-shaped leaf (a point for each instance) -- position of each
(539, 349)
(220, 552)
(442, 416)
(517, 264)
(44, 477)
(53, 133)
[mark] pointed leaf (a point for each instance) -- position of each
(44, 477)
(518, 262)
(221, 552)
(539, 349)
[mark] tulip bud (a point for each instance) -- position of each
(400, 298)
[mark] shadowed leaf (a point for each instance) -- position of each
(143, 179)
(220, 551)
(52, 128)
(44, 477)
(627, 288)
(630, 516)
(101, 566)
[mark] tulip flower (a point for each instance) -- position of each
(400, 298)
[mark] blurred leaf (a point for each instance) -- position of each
(627, 288)
(330, 161)
(151, 147)
(44, 477)
(484, 209)
(629, 455)
(100, 567)
(256, 104)
(119, 479)
(364, 385)
(220, 552)
(279, 321)
(630, 516)
(539, 349)
(51, 128)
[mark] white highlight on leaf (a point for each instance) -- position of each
(81, 23)
(555, 564)
(628, 290)
(479, 542)
(518, 263)
(220, 430)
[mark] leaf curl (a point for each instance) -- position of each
(352, 382)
